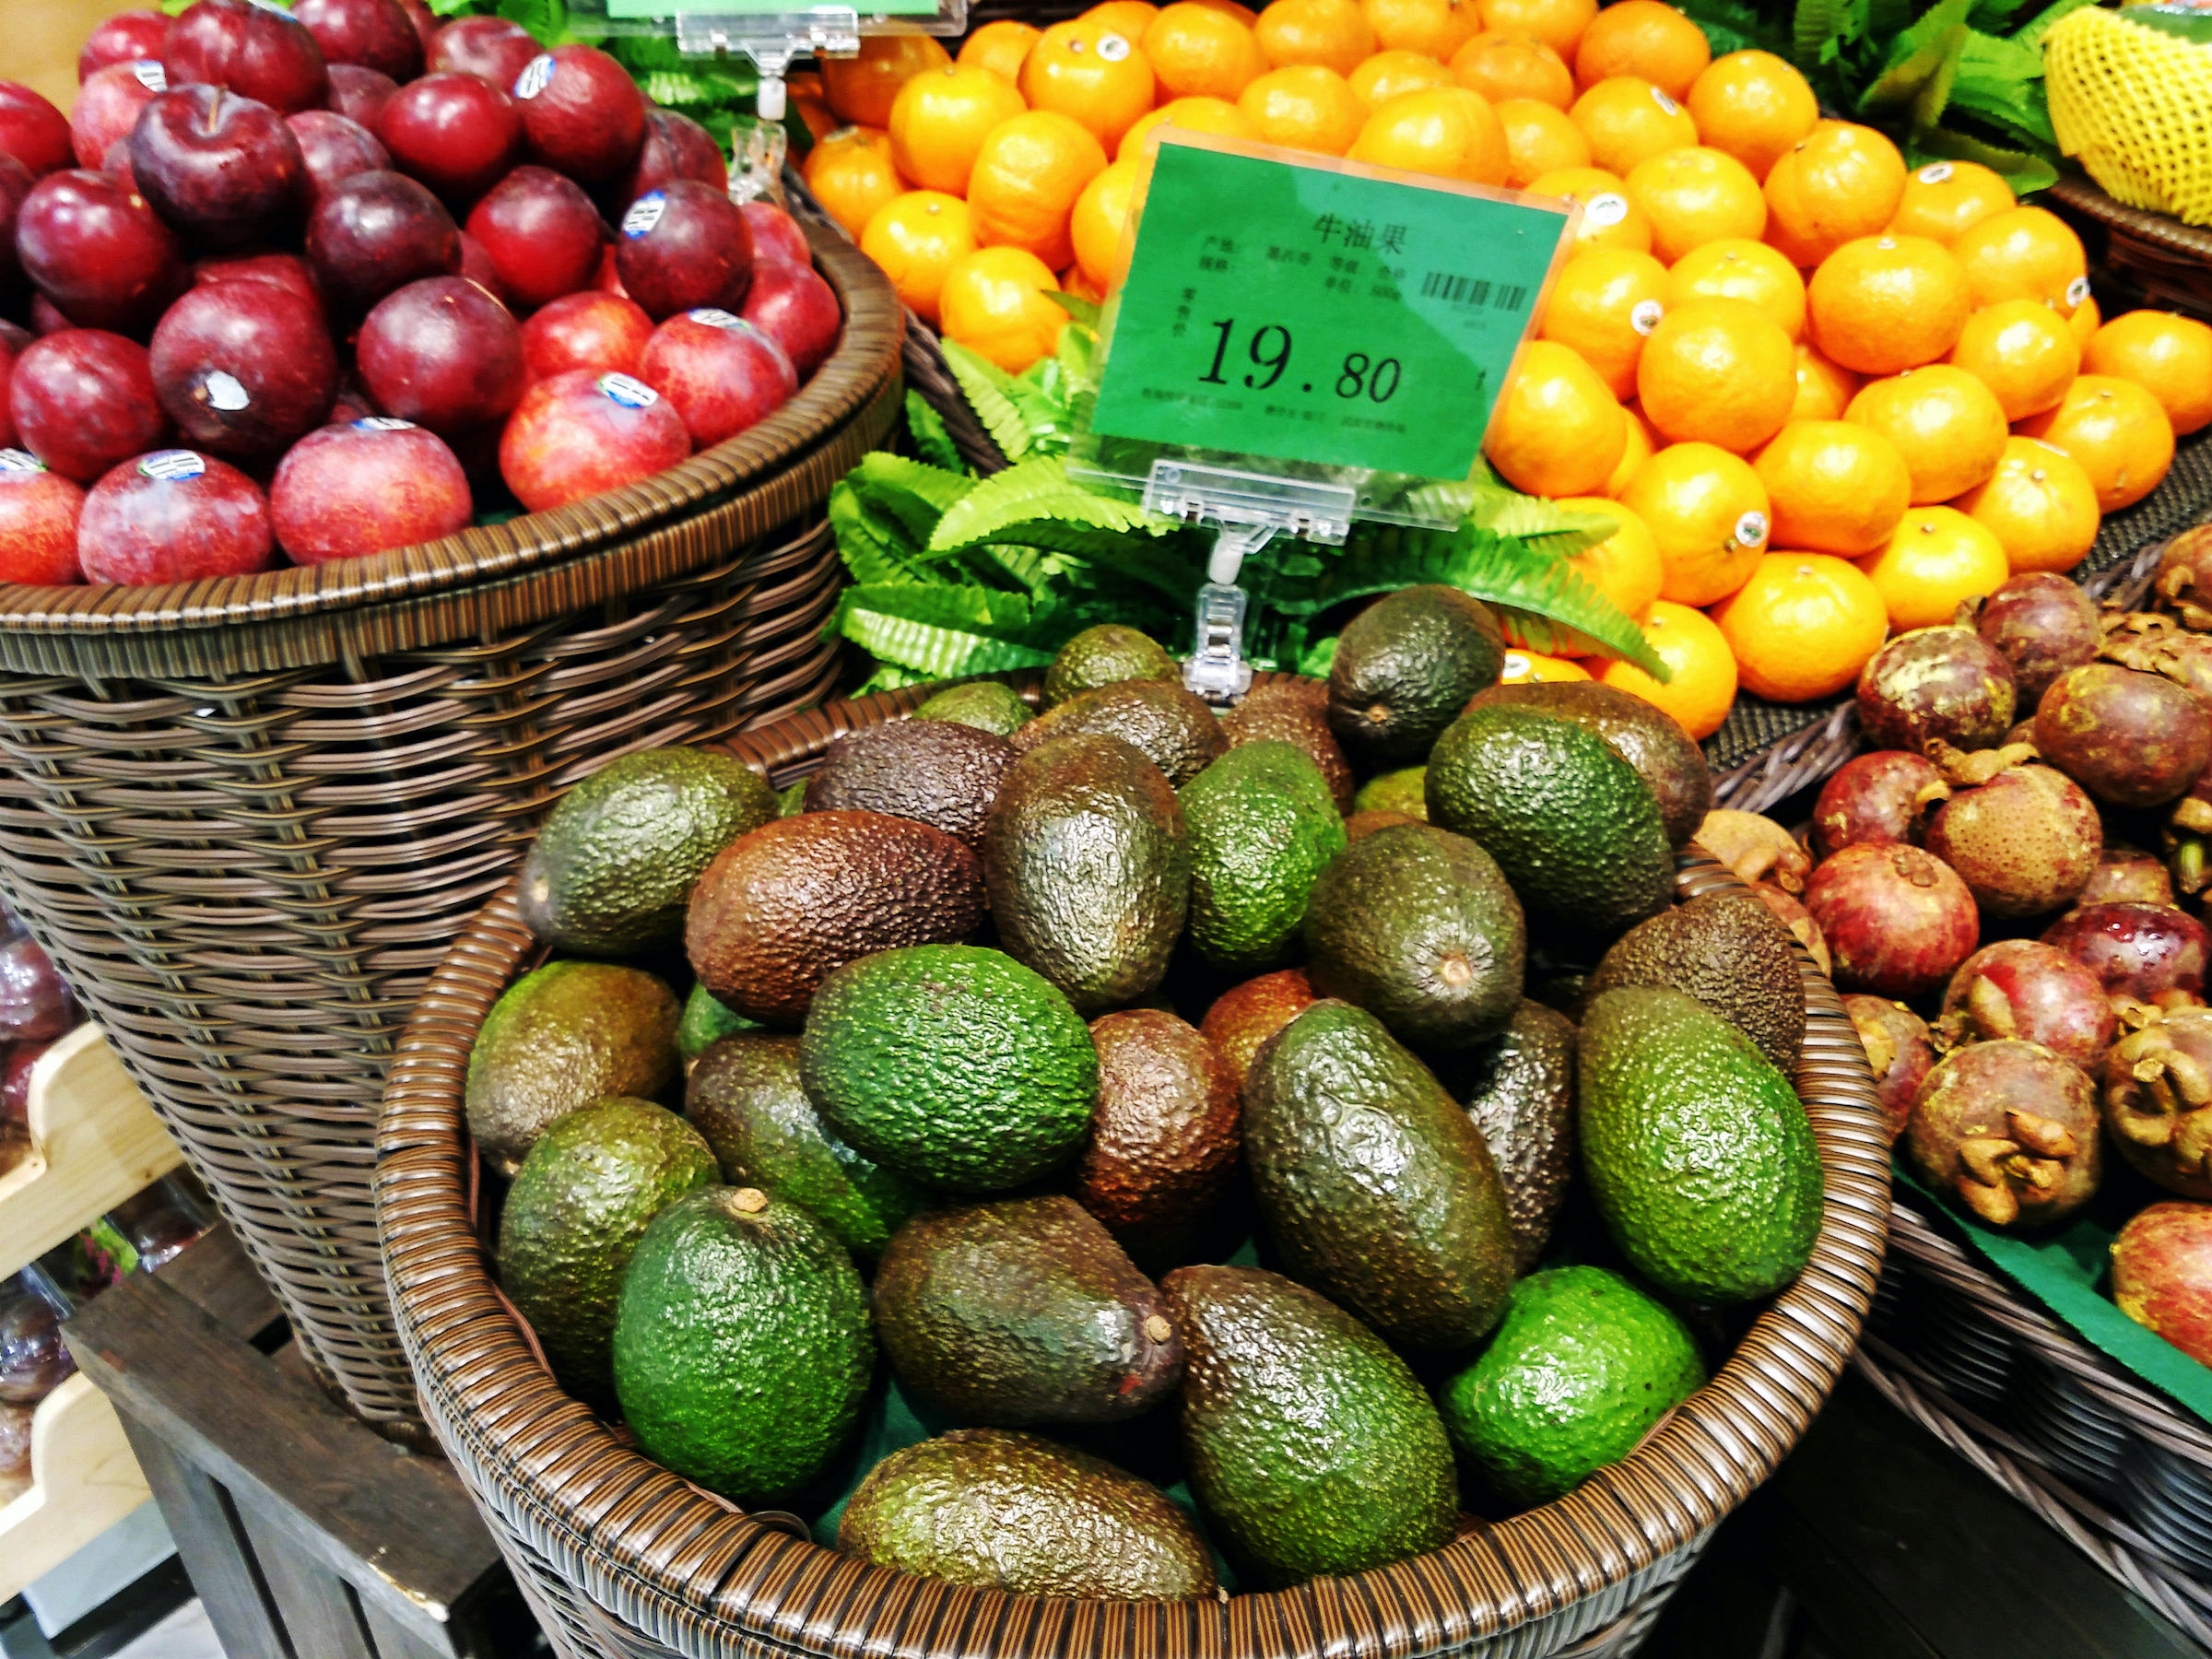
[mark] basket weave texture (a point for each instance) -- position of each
(625, 1560)
(247, 817)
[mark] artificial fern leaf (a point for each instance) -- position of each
(2032, 32)
(1086, 312)
(941, 631)
(986, 386)
(1003, 506)
(917, 494)
(1024, 567)
(1918, 55)
(873, 546)
(932, 438)
(890, 677)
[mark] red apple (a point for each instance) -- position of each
(592, 330)
(10, 349)
(720, 373)
(223, 169)
(443, 353)
(244, 368)
(124, 37)
(684, 246)
(795, 308)
(83, 400)
(777, 239)
(334, 148)
(349, 490)
(258, 51)
(376, 34)
(46, 317)
(476, 265)
(425, 22)
(676, 148)
(358, 93)
(582, 114)
(108, 107)
(491, 47)
(174, 516)
(610, 280)
(376, 232)
(541, 234)
(31, 130)
(14, 185)
(2162, 1275)
(286, 270)
(96, 251)
(33, 1001)
(116, 164)
(38, 510)
(458, 133)
(580, 433)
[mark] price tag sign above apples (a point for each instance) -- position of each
(1299, 308)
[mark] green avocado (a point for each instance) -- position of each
(1519, 1088)
(1647, 737)
(1263, 827)
(1105, 655)
(987, 705)
(1727, 950)
(1406, 791)
(1404, 668)
(1167, 725)
(706, 1021)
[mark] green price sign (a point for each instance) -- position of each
(1306, 311)
(635, 10)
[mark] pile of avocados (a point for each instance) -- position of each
(1130, 1151)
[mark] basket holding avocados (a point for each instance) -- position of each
(1103, 1169)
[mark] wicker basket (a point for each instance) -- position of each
(625, 1560)
(247, 817)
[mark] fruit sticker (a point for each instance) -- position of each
(1935, 172)
(537, 76)
(150, 74)
(1111, 47)
(627, 390)
(382, 423)
(17, 461)
(1751, 530)
(644, 213)
(715, 317)
(225, 393)
(173, 466)
(1646, 315)
(2076, 291)
(1605, 209)
(1666, 104)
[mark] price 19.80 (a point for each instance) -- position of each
(1269, 349)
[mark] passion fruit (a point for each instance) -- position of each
(1898, 920)
(2157, 1100)
(2009, 1130)
(2025, 989)
(2024, 843)
(1882, 798)
(2042, 624)
(2130, 738)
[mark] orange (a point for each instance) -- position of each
(1557, 23)
(1304, 107)
(1642, 444)
(1387, 74)
(2170, 357)
(1694, 196)
(1802, 627)
(1130, 18)
(1524, 665)
(1191, 114)
(1001, 47)
(1881, 303)
(1335, 34)
(1101, 218)
(861, 89)
(1717, 371)
(1557, 431)
(2040, 504)
(993, 301)
(1609, 219)
(1072, 281)
(805, 90)
(1628, 120)
(1947, 426)
(1197, 51)
(1708, 515)
(2024, 253)
(1824, 389)
(1946, 197)
(2086, 321)
(851, 175)
(1097, 75)
(1703, 688)
(1836, 182)
(1243, 14)
(1446, 131)
(1646, 39)
(1026, 178)
(1834, 487)
(917, 237)
(1603, 304)
(1937, 558)
(1624, 568)
(1500, 66)
(2023, 351)
(1754, 106)
(1539, 140)
(2117, 430)
(1734, 268)
(940, 120)
(1435, 29)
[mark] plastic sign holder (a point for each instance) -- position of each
(1304, 342)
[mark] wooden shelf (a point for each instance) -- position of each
(83, 1480)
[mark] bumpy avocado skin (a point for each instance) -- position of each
(1263, 827)
(987, 705)
(1519, 1088)
(1167, 725)
(1406, 664)
(1728, 951)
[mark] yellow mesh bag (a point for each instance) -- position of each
(2134, 105)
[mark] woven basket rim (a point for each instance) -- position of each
(672, 1549)
(866, 353)
(2161, 230)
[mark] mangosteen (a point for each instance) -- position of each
(2126, 875)
(1931, 684)
(2183, 580)
(2009, 1130)
(2146, 955)
(2155, 644)
(2162, 1272)
(2042, 624)
(1881, 797)
(2024, 843)
(1898, 1047)
(2157, 1100)
(2026, 989)
(1897, 921)
(2130, 738)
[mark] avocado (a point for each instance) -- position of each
(1406, 791)
(987, 705)
(953, 1065)
(1519, 1088)
(618, 856)
(1022, 1311)
(1361, 825)
(1163, 1138)
(1582, 1365)
(1017, 1513)
(577, 1208)
(1418, 926)
(744, 1096)
(1647, 737)
(935, 771)
(1574, 827)
(1103, 656)
(1376, 1187)
(1406, 664)
(1167, 725)
(1311, 1447)
(1698, 1151)
(558, 1039)
(784, 908)
(742, 1349)
(1262, 828)
(1295, 712)
(790, 800)
(706, 1021)
(1728, 951)
(1088, 863)
(1245, 1016)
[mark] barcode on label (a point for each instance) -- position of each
(1473, 290)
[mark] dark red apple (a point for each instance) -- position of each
(541, 234)
(796, 309)
(443, 353)
(777, 239)
(610, 280)
(676, 148)
(491, 47)
(98, 252)
(580, 433)
(31, 130)
(458, 133)
(376, 34)
(244, 368)
(14, 185)
(349, 490)
(425, 23)
(108, 107)
(116, 164)
(582, 114)
(83, 400)
(334, 148)
(592, 330)
(683, 247)
(286, 270)
(2162, 1275)
(358, 93)
(46, 317)
(376, 232)
(258, 51)
(38, 510)
(122, 39)
(722, 373)
(34, 1003)
(9, 351)
(223, 169)
(476, 265)
(352, 405)
(174, 516)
